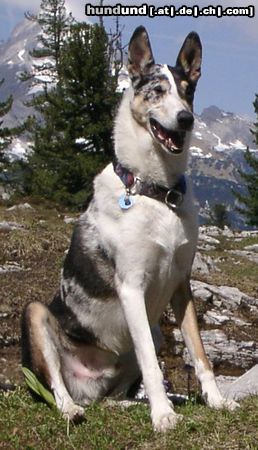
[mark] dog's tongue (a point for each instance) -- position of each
(172, 140)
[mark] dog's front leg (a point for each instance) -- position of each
(133, 302)
(184, 309)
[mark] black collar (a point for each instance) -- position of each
(173, 196)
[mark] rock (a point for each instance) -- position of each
(252, 248)
(69, 220)
(228, 297)
(10, 267)
(245, 234)
(226, 232)
(203, 294)
(220, 349)
(240, 322)
(207, 243)
(216, 231)
(203, 264)
(241, 387)
(209, 231)
(6, 386)
(252, 256)
(208, 239)
(10, 226)
(224, 382)
(206, 247)
(7, 341)
(4, 194)
(215, 318)
(21, 206)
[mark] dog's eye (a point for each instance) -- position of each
(158, 89)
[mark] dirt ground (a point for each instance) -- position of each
(36, 250)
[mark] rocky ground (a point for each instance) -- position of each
(32, 245)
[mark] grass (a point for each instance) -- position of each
(26, 424)
(234, 270)
(38, 248)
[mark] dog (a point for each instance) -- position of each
(130, 255)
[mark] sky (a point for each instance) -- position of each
(230, 43)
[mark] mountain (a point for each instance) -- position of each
(219, 138)
(217, 153)
(14, 60)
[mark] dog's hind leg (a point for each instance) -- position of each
(184, 309)
(41, 343)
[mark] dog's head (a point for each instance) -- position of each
(163, 95)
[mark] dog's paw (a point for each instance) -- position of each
(223, 403)
(166, 420)
(231, 405)
(73, 412)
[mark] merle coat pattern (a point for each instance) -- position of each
(100, 333)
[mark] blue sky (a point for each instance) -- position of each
(230, 46)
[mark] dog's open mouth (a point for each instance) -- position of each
(172, 140)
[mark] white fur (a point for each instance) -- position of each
(63, 399)
(152, 245)
(172, 103)
(136, 148)
(210, 389)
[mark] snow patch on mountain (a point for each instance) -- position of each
(238, 145)
(198, 152)
(18, 150)
(20, 55)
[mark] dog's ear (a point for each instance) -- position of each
(140, 56)
(190, 57)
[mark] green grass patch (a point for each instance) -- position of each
(234, 270)
(27, 424)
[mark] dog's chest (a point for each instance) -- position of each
(173, 247)
(155, 248)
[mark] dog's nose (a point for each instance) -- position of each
(185, 120)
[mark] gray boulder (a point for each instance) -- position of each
(241, 387)
(220, 349)
(223, 296)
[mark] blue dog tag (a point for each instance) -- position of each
(126, 201)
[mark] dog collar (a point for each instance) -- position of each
(172, 197)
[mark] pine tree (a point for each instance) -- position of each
(7, 167)
(73, 140)
(249, 200)
(219, 216)
(5, 133)
(55, 25)
(89, 86)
